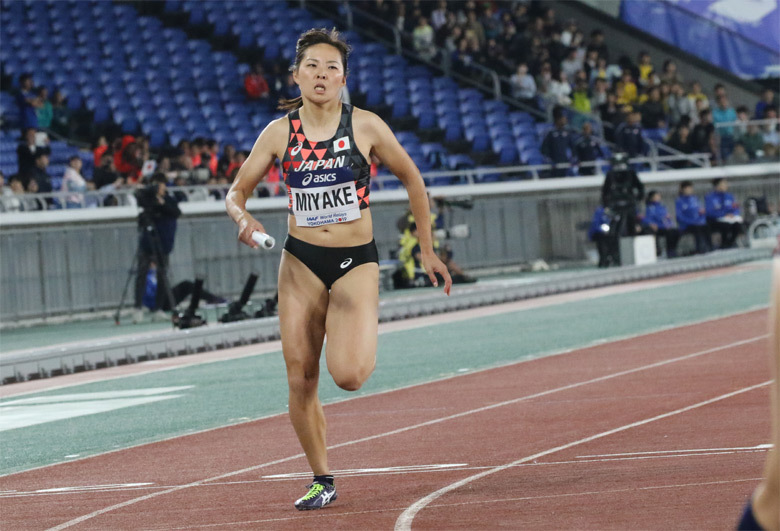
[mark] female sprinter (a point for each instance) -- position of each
(329, 273)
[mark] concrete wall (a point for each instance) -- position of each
(72, 267)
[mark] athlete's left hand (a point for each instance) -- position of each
(432, 265)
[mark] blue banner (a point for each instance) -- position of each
(741, 36)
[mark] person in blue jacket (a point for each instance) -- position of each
(690, 217)
(598, 233)
(723, 214)
(658, 222)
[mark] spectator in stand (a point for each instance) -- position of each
(572, 64)
(197, 147)
(753, 141)
(611, 115)
(679, 105)
(739, 155)
(74, 183)
(590, 64)
(597, 44)
(653, 115)
(227, 158)
(99, 148)
(105, 173)
(544, 79)
(770, 153)
(579, 98)
(768, 99)
(422, 38)
(40, 172)
(629, 136)
(559, 91)
(627, 94)
(771, 130)
(44, 113)
(290, 89)
(588, 149)
(719, 90)
(475, 26)
(28, 102)
(703, 136)
(658, 222)
(743, 117)
(238, 161)
(30, 203)
(645, 68)
(723, 214)
(524, 86)
(12, 196)
(25, 154)
(439, 15)
(599, 94)
(128, 158)
(558, 145)
(724, 113)
(211, 156)
(670, 74)
(690, 217)
(697, 95)
(680, 139)
(60, 119)
(255, 84)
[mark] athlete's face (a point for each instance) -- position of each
(321, 73)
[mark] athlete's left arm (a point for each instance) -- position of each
(385, 146)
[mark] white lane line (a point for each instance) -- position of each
(370, 471)
(404, 522)
(432, 422)
(334, 514)
(696, 450)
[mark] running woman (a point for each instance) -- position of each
(762, 511)
(329, 273)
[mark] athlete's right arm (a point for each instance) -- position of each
(265, 151)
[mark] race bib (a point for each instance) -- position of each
(322, 197)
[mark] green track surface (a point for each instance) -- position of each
(231, 391)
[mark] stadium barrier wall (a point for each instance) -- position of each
(65, 262)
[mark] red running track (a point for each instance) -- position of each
(615, 466)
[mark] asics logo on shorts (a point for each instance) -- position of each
(297, 149)
(345, 264)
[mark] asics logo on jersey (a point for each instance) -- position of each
(345, 264)
(326, 178)
(297, 149)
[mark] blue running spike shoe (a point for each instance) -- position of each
(319, 495)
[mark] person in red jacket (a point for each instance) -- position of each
(255, 83)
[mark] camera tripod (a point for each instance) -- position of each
(147, 228)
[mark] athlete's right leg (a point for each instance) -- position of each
(303, 303)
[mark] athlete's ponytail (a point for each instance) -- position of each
(307, 39)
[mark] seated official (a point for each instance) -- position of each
(723, 214)
(658, 222)
(690, 217)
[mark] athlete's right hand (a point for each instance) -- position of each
(246, 226)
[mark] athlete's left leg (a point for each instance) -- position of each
(351, 326)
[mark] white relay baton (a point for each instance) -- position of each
(263, 240)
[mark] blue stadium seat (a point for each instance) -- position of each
(460, 162)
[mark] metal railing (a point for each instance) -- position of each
(738, 130)
(216, 192)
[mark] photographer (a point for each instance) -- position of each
(408, 242)
(620, 195)
(157, 221)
